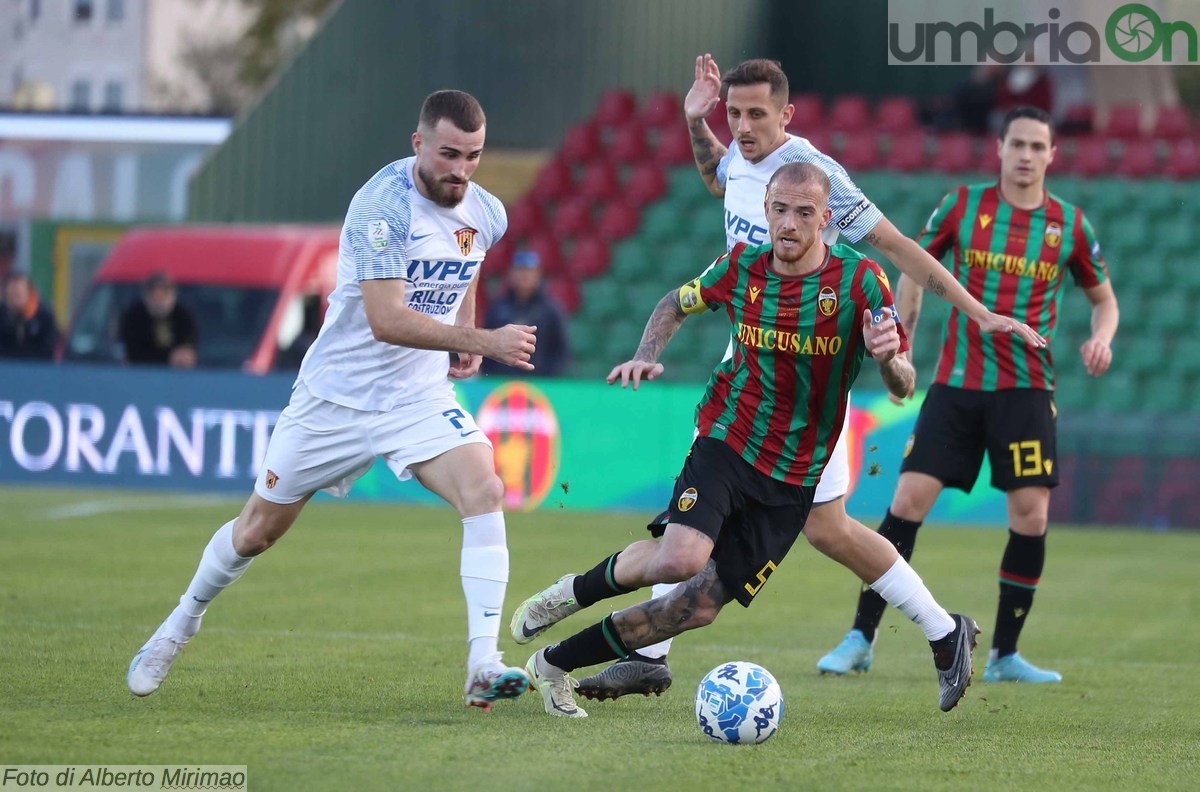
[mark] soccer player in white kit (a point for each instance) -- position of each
(374, 384)
(758, 113)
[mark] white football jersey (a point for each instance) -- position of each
(392, 231)
(745, 186)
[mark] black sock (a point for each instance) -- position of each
(1020, 571)
(903, 536)
(596, 644)
(634, 654)
(597, 583)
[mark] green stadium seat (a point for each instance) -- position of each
(685, 185)
(1171, 312)
(1173, 238)
(662, 222)
(630, 258)
(1160, 395)
(1141, 353)
(1072, 393)
(1118, 392)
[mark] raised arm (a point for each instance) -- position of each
(700, 101)
(666, 319)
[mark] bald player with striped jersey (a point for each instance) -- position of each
(756, 93)
(1014, 244)
(375, 384)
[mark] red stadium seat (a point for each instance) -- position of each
(524, 217)
(718, 120)
(599, 181)
(906, 152)
(820, 139)
(1091, 157)
(572, 217)
(589, 257)
(1183, 161)
(858, 151)
(618, 220)
(615, 108)
(1172, 123)
(808, 114)
(896, 114)
(498, 258)
(552, 182)
(549, 254)
(628, 144)
(1124, 122)
(1138, 160)
(662, 109)
(850, 113)
(955, 153)
(674, 146)
(565, 291)
(582, 144)
(1077, 120)
(646, 185)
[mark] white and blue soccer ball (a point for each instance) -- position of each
(738, 703)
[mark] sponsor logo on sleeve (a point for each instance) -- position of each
(377, 235)
(853, 214)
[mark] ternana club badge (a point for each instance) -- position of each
(827, 300)
(688, 499)
(466, 239)
(1053, 235)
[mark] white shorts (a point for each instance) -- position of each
(319, 445)
(835, 478)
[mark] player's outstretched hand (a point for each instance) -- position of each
(995, 323)
(702, 99)
(882, 337)
(1097, 355)
(634, 371)
(464, 366)
(513, 345)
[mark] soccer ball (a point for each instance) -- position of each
(739, 703)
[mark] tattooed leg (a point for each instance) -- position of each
(693, 604)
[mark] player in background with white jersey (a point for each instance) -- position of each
(374, 384)
(756, 93)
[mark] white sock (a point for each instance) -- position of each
(903, 588)
(660, 649)
(484, 571)
(220, 566)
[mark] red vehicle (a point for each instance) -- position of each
(259, 293)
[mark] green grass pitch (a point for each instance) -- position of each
(337, 661)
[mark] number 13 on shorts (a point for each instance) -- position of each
(1027, 459)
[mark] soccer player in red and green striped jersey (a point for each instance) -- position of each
(804, 316)
(1014, 245)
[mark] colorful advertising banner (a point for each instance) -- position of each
(560, 444)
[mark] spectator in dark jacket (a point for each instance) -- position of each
(526, 302)
(157, 329)
(27, 326)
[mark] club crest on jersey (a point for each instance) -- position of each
(688, 499)
(985, 220)
(272, 479)
(466, 238)
(377, 235)
(754, 292)
(1053, 235)
(827, 300)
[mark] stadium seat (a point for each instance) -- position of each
(674, 146)
(820, 139)
(588, 257)
(615, 108)
(1183, 160)
(858, 151)
(1077, 120)
(565, 292)
(599, 182)
(1091, 157)
(808, 114)
(662, 109)
(498, 258)
(718, 121)
(906, 152)
(549, 254)
(581, 144)
(618, 220)
(850, 113)
(989, 158)
(661, 222)
(525, 217)
(1138, 160)
(896, 114)
(572, 217)
(552, 182)
(646, 184)
(1171, 313)
(628, 144)
(954, 153)
(1178, 241)
(1124, 122)
(1172, 123)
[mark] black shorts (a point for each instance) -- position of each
(752, 518)
(956, 426)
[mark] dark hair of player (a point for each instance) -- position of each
(1035, 113)
(753, 72)
(458, 107)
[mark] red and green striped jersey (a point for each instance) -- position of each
(1014, 262)
(780, 401)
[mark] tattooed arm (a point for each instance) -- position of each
(667, 318)
(700, 101)
(923, 268)
(688, 606)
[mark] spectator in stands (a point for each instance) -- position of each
(526, 302)
(27, 326)
(157, 329)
